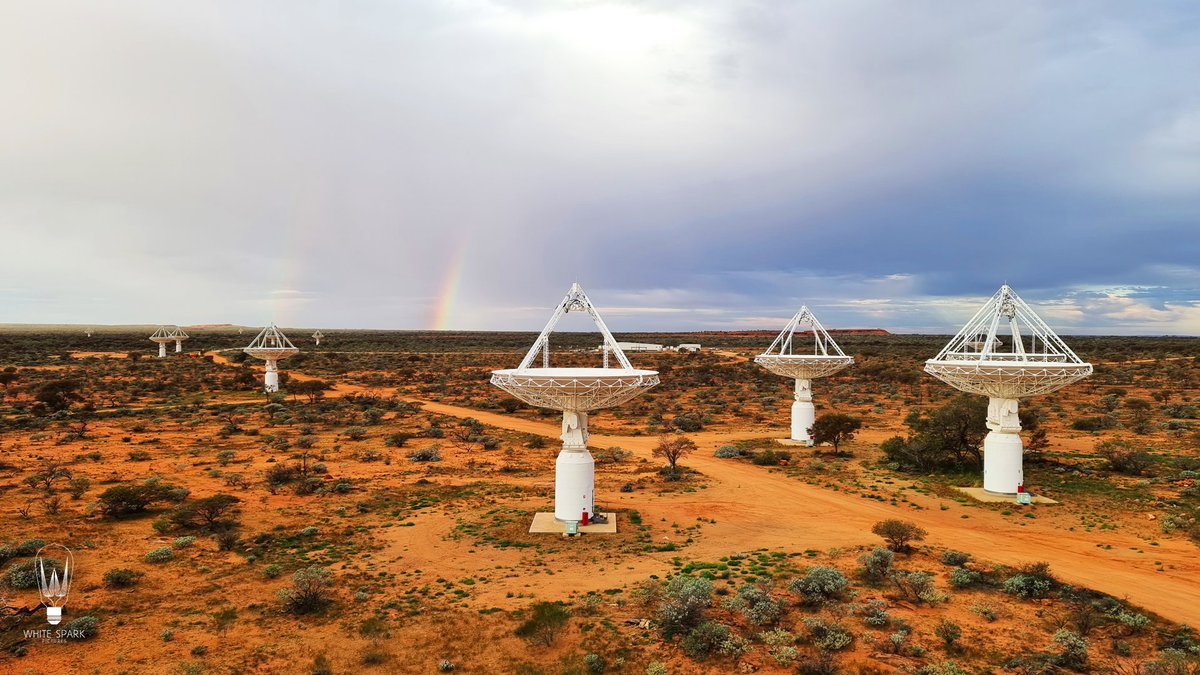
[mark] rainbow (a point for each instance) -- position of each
(443, 306)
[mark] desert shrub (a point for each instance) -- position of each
(917, 586)
(546, 621)
(683, 603)
(1073, 652)
(819, 585)
(962, 577)
(1088, 424)
(281, 474)
(829, 637)
(310, 591)
(84, 626)
(756, 605)
(1124, 457)
(657, 668)
(28, 547)
(955, 558)
(355, 433)
(160, 555)
(432, 453)
(224, 457)
(877, 564)
(397, 440)
(727, 452)
(704, 640)
(688, 422)
(822, 664)
(227, 539)
(124, 500)
(949, 632)
(122, 577)
(1136, 623)
(875, 614)
(272, 571)
(23, 575)
(78, 485)
(898, 534)
(306, 441)
(943, 668)
(1031, 582)
(735, 646)
(770, 457)
(183, 542)
(139, 456)
(779, 645)
(208, 512)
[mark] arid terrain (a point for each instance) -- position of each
(373, 516)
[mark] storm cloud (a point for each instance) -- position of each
(696, 165)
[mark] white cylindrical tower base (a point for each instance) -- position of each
(178, 346)
(1002, 463)
(574, 472)
(1003, 454)
(574, 484)
(162, 350)
(803, 413)
(271, 379)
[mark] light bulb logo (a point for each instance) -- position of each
(54, 566)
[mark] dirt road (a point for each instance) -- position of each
(756, 508)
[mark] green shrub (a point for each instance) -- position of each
(704, 640)
(877, 564)
(1074, 650)
(683, 603)
(819, 585)
(756, 605)
(432, 453)
(160, 555)
(546, 621)
(917, 586)
(949, 632)
(898, 534)
(830, 637)
(309, 592)
(84, 625)
(962, 577)
(122, 577)
(955, 558)
(23, 575)
(183, 542)
(770, 457)
(1031, 582)
(727, 452)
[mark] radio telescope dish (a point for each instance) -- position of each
(574, 391)
(316, 336)
(1034, 361)
(271, 345)
(178, 336)
(786, 357)
(162, 336)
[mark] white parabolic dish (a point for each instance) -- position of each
(574, 389)
(803, 366)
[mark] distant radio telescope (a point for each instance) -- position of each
(162, 336)
(271, 345)
(574, 391)
(317, 337)
(179, 336)
(785, 357)
(1035, 361)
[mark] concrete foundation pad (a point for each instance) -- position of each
(979, 494)
(790, 442)
(544, 523)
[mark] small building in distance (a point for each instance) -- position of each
(688, 347)
(639, 347)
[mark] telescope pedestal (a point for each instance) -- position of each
(162, 350)
(803, 413)
(271, 379)
(574, 472)
(1003, 453)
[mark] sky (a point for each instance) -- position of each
(695, 165)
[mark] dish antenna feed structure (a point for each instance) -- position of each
(786, 357)
(1036, 361)
(162, 336)
(574, 391)
(271, 345)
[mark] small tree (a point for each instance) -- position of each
(544, 624)
(309, 591)
(673, 449)
(898, 533)
(835, 428)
